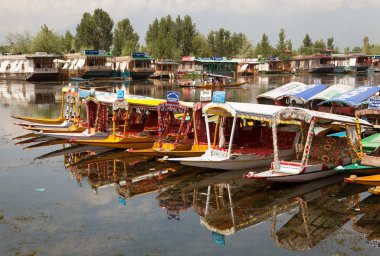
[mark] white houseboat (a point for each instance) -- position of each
(137, 66)
(87, 64)
(30, 67)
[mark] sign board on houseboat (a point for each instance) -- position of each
(206, 95)
(219, 97)
(172, 96)
(140, 55)
(93, 52)
(374, 103)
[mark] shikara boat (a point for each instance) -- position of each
(242, 137)
(318, 154)
(368, 164)
(372, 180)
(293, 93)
(179, 138)
(127, 131)
(52, 121)
(349, 102)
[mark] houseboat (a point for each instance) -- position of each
(189, 65)
(332, 91)
(218, 65)
(87, 64)
(165, 69)
(30, 67)
(274, 66)
(318, 63)
(137, 66)
(248, 67)
(356, 63)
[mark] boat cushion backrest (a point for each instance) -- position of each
(329, 149)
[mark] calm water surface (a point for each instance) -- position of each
(78, 204)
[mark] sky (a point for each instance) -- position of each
(348, 21)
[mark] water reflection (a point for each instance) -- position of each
(225, 203)
(229, 209)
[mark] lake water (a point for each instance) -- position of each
(63, 205)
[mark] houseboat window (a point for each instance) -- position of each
(8, 67)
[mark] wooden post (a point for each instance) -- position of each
(231, 138)
(208, 134)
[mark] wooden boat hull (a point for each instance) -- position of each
(124, 143)
(41, 120)
(358, 169)
(78, 136)
(56, 130)
(282, 177)
(373, 180)
(235, 162)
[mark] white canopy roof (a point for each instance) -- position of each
(244, 109)
(261, 111)
(331, 92)
(282, 90)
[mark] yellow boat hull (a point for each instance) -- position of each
(372, 180)
(124, 143)
(41, 120)
(55, 130)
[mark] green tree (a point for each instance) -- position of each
(161, 40)
(264, 48)
(307, 45)
(347, 50)
(94, 31)
(68, 42)
(125, 40)
(19, 42)
(104, 25)
(246, 48)
(319, 46)
(330, 43)
(224, 44)
(86, 33)
(46, 41)
(366, 45)
(281, 44)
(289, 45)
(200, 45)
(357, 49)
(185, 31)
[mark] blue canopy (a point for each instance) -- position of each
(355, 96)
(296, 89)
(308, 92)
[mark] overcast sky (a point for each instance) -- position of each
(348, 21)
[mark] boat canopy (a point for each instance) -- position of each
(355, 96)
(268, 112)
(244, 110)
(307, 115)
(332, 91)
(296, 89)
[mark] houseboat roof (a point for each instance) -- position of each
(267, 112)
(130, 58)
(332, 91)
(166, 62)
(29, 56)
(314, 56)
(355, 96)
(297, 89)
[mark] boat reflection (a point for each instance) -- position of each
(369, 223)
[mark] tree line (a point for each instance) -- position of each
(166, 38)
